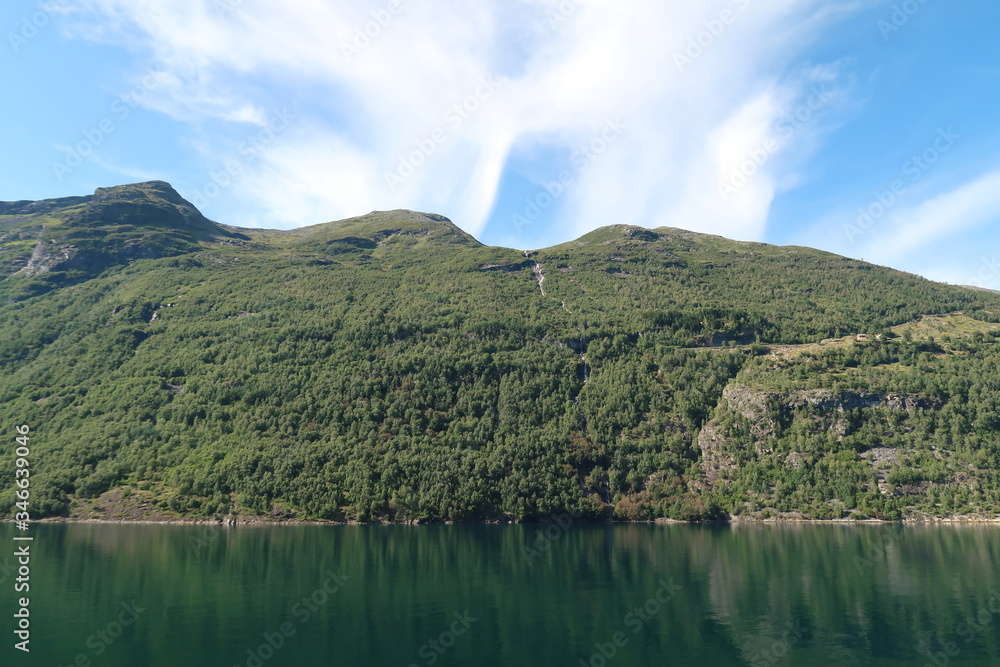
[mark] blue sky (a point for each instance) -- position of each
(864, 127)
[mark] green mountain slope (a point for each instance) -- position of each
(391, 367)
(57, 242)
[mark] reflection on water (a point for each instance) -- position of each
(513, 595)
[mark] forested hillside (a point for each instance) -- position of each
(392, 368)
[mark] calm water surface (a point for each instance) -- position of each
(146, 596)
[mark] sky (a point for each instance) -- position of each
(862, 127)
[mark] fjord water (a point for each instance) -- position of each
(509, 595)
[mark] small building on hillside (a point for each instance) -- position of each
(862, 337)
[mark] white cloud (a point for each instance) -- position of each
(363, 109)
(915, 235)
(930, 236)
(134, 173)
(912, 229)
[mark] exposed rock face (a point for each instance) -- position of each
(714, 461)
(757, 404)
(826, 399)
(753, 404)
(768, 414)
(49, 256)
(46, 257)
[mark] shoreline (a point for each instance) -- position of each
(235, 522)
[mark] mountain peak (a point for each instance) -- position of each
(402, 216)
(145, 190)
(406, 214)
(75, 238)
(387, 227)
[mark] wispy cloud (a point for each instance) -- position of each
(130, 172)
(917, 229)
(369, 80)
(943, 235)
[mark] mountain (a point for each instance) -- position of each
(76, 238)
(392, 368)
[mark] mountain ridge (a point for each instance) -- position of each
(390, 367)
(376, 222)
(163, 190)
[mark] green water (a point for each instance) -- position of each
(499, 595)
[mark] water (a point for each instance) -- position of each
(145, 596)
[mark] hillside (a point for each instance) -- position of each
(392, 368)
